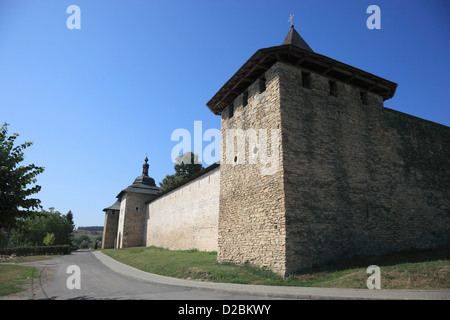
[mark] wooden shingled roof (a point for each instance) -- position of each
(295, 39)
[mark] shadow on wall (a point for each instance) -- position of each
(409, 256)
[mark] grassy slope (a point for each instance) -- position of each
(12, 277)
(415, 270)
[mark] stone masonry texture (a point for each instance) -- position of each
(354, 178)
(110, 228)
(251, 207)
(359, 179)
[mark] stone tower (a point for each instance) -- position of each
(125, 220)
(314, 168)
(110, 226)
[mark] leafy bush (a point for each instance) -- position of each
(35, 251)
(32, 230)
(49, 239)
(84, 244)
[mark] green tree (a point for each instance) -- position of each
(33, 229)
(15, 180)
(83, 238)
(69, 217)
(185, 166)
(84, 244)
(49, 239)
(169, 181)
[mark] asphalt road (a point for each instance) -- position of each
(97, 281)
(103, 278)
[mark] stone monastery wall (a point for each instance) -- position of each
(187, 217)
(359, 179)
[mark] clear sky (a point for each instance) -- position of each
(95, 100)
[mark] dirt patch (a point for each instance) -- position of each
(4, 257)
(196, 274)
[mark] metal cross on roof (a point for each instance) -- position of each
(291, 18)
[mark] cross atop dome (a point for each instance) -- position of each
(291, 18)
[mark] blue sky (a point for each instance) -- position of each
(94, 101)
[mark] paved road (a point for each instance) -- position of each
(105, 278)
(98, 281)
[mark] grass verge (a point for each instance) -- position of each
(12, 277)
(413, 270)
